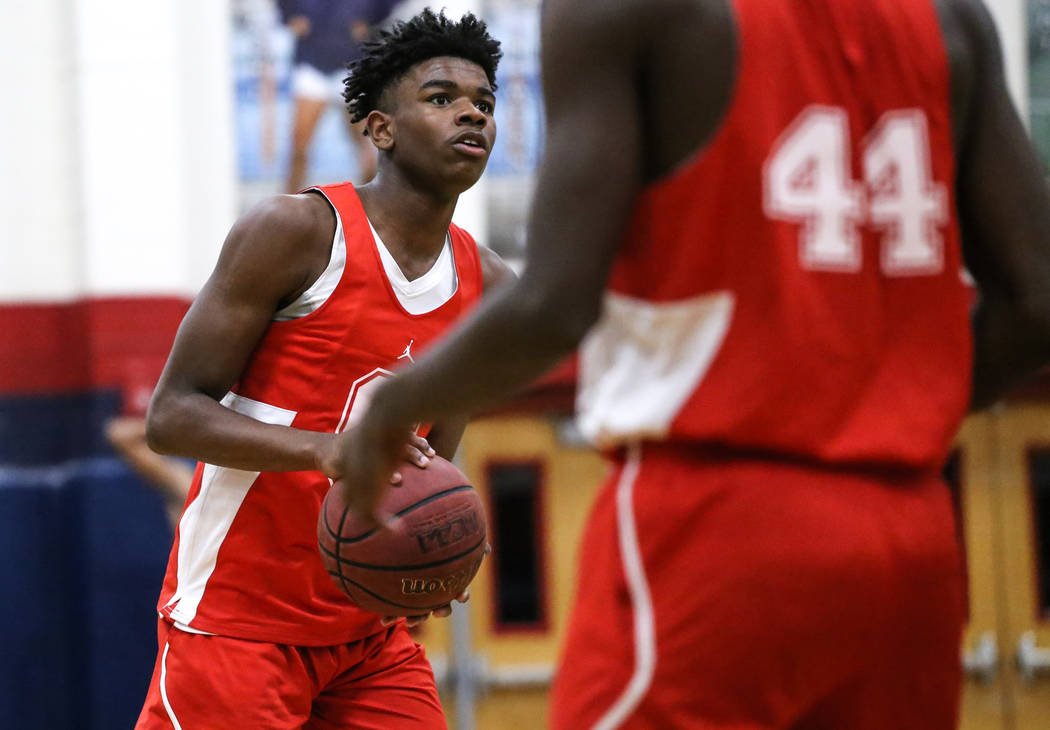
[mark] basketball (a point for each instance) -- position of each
(420, 562)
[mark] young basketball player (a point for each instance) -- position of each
(778, 198)
(315, 299)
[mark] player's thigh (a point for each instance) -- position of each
(718, 598)
(212, 681)
(910, 686)
(392, 689)
(909, 678)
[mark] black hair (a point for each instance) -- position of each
(391, 53)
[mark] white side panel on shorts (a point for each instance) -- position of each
(643, 360)
(641, 599)
(208, 518)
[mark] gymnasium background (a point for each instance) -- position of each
(131, 136)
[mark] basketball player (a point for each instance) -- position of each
(778, 198)
(315, 299)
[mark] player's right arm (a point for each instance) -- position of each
(1004, 209)
(270, 256)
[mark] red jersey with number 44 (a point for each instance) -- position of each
(797, 288)
(245, 561)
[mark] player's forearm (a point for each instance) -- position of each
(1011, 345)
(444, 437)
(196, 426)
(510, 341)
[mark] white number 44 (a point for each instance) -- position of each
(807, 180)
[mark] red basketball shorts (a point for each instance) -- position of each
(752, 595)
(383, 682)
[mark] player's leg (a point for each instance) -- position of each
(672, 626)
(752, 592)
(911, 676)
(214, 681)
(310, 90)
(388, 684)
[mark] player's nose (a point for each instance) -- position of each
(470, 114)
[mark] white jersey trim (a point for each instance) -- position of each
(318, 292)
(643, 360)
(425, 293)
(641, 600)
(207, 519)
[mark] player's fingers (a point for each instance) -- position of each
(366, 507)
(443, 612)
(463, 597)
(422, 444)
(414, 455)
(395, 478)
(412, 621)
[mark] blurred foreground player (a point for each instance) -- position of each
(315, 299)
(771, 193)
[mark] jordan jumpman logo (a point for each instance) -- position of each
(407, 353)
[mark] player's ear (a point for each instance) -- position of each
(380, 126)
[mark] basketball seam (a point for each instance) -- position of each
(422, 566)
(388, 601)
(338, 548)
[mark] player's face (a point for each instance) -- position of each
(443, 122)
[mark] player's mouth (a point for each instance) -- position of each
(473, 144)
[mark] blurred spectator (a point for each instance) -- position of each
(328, 35)
(171, 477)
(259, 18)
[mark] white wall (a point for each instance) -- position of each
(40, 212)
(117, 175)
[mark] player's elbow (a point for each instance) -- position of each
(161, 424)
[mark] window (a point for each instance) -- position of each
(1039, 484)
(515, 491)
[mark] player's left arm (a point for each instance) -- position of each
(587, 184)
(445, 436)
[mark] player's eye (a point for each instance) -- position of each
(440, 99)
(486, 107)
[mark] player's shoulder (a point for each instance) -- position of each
(287, 238)
(292, 216)
(968, 23)
(635, 11)
(631, 30)
(292, 226)
(495, 272)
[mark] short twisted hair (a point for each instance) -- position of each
(391, 53)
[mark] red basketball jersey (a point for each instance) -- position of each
(797, 287)
(245, 561)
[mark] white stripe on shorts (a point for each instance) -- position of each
(641, 601)
(164, 689)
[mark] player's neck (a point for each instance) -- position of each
(412, 224)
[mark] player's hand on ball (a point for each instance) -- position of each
(362, 461)
(418, 452)
(440, 612)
